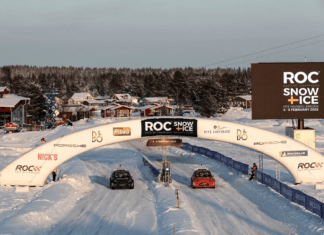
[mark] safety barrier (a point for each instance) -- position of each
(238, 166)
(294, 195)
(148, 163)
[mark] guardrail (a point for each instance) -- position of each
(236, 165)
(294, 195)
(148, 163)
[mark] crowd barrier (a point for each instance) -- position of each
(148, 163)
(294, 195)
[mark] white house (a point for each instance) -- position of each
(124, 98)
(79, 98)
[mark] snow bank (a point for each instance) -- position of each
(45, 206)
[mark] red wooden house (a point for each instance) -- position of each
(116, 110)
(13, 108)
(154, 110)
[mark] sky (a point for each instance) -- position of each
(159, 34)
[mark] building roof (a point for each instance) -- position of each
(155, 99)
(160, 106)
(245, 97)
(102, 97)
(3, 88)
(80, 96)
(11, 100)
(113, 107)
(123, 97)
(95, 101)
(145, 107)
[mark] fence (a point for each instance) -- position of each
(148, 163)
(294, 195)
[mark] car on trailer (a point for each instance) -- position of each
(12, 127)
(120, 179)
(202, 178)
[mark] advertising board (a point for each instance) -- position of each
(288, 90)
(164, 142)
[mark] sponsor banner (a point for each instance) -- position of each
(210, 154)
(224, 159)
(299, 153)
(202, 151)
(305, 166)
(217, 156)
(267, 180)
(245, 169)
(271, 142)
(185, 145)
(169, 126)
(122, 131)
(190, 147)
(164, 142)
(71, 145)
(287, 192)
(237, 166)
(313, 205)
(195, 149)
(299, 197)
(230, 162)
(47, 157)
(276, 185)
(28, 169)
(323, 210)
(258, 176)
(96, 137)
(217, 129)
(287, 90)
(242, 134)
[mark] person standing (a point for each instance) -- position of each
(254, 168)
(54, 174)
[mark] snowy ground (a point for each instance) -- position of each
(82, 203)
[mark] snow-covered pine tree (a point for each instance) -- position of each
(164, 111)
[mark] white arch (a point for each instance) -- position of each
(33, 167)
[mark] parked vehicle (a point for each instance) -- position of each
(202, 178)
(12, 127)
(68, 123)
(59, 121)
(121, 178)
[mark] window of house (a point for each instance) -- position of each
(123, 112)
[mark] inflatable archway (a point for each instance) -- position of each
(33, 168)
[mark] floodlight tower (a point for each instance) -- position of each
(50, 93)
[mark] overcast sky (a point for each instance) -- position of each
(158, 34)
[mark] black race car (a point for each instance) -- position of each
(121, 179)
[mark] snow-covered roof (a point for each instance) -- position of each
(144, 107)
(2, 88)
(245, 97)
(102, 97)
(80, 96)
(156, 99)
(123, 97)
(159, 106)
(95, 101)
(10, 100)
(114, 106)
(70, 109)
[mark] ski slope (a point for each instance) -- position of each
(82, 203)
